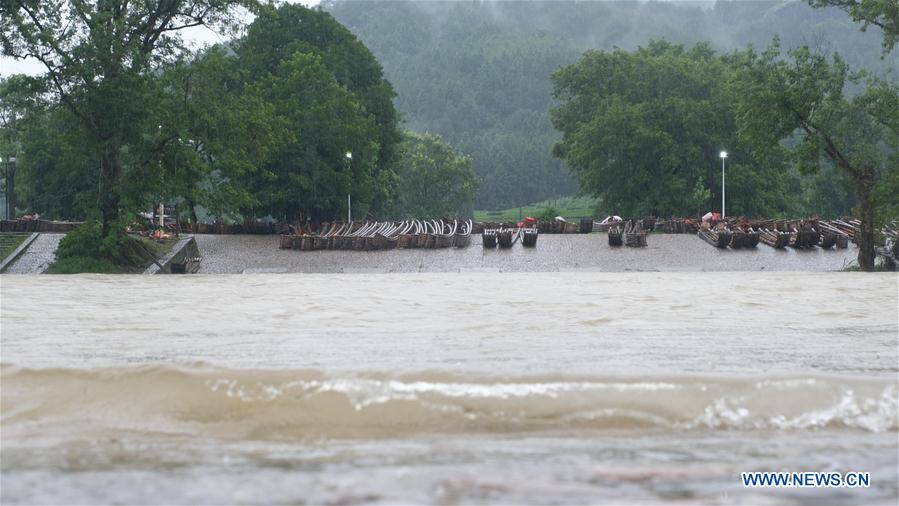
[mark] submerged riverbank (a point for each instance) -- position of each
(447, 388)
(554, 252)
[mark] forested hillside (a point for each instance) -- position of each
(478, 73)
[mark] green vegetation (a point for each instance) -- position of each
(9, 243)
(101, 61)
(477, 73)
(568, 207)
(434, 181)
(642, 131)
(803, 97)
(86, 249)
(329, 94)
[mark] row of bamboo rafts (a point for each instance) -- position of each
(780, 234)
(375, 235)
(507, 237)
(629, 233)
(809, 233)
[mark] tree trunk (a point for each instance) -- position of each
(107, 193)
(866, 234)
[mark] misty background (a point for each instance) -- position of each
(477, 73)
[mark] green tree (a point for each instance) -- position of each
(99, 58)
(881, 13)
(364, 123)
(57, 171)
(311, 174)
(214, 133)
(804, 97)
(641, 130)
(435, 181)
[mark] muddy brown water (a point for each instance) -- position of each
(446, 388)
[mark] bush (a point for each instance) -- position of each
(76, 265)
(547, 214)
(84, 249)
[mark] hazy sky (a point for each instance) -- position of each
(197, 36)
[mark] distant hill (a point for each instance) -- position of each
(477, 73)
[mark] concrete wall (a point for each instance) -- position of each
(185, 248)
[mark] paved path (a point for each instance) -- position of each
(38, 256)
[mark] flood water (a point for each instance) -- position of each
(554, 252)
(554, 387)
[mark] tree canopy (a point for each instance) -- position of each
(804, 97)
(101, 60)
(434, 181)
(477, 73)
(285, 121)
(643, 131)
(883, 14)
(330, 95)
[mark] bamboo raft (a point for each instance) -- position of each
(805, 235)
(529, 237)
(505, 238)
(775, 238)
(607, 223)
(744, 239)
(634, 234)
(717, 238)
(488, 238)
(372, 236)
(586, 226)
(615, 233)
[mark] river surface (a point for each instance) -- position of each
(565, 387)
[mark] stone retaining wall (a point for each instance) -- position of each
(183, 249)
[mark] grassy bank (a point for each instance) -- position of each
(9, 242)
(568, 207)
(85, 249)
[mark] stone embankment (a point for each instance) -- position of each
(38, 255)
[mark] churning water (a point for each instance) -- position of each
(447, 388)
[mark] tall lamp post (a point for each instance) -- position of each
(3, 212)
(349, 202)
(723, 156)
(11, 188)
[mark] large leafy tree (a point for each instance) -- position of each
(803, 97)
(643, 130)
(331, 150)
(215, 131)
(435, 181)
(332, 92)
(57, 173)
(881, 13)
(52, 172)
(99, 59)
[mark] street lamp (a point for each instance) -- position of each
(723, 156)
(11, 188)
(349, 203)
